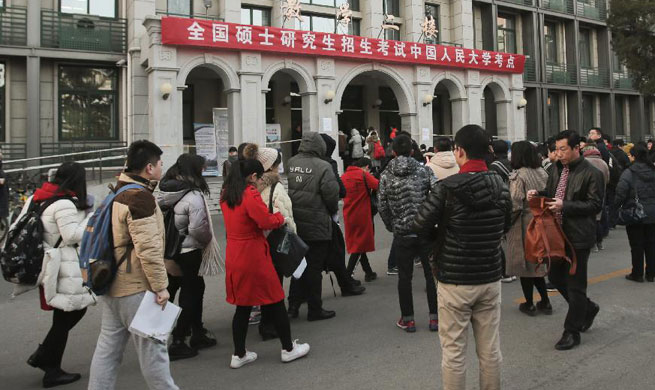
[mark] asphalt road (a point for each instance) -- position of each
(362, 348)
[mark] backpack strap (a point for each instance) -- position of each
(126, 256)
(502, 167)
(270, 198)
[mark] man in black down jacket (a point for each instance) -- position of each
(404, 185)
(473, 209)
(314, 193)
(578, 190)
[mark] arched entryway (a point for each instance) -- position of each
(448, 114)
(205, 90)
(495, 109)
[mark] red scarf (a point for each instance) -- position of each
(48, 191)
(473, 166)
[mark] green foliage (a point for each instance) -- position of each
(632, 23)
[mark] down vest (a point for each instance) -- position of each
(404, 185)
(61, 276)
(191, 218)
(313, 189)
(480, 214)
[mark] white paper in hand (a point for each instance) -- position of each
(300, 270)
(152, 322)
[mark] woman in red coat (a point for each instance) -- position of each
(250, 275)
(360, 235)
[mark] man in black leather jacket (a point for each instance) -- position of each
(473, 211)
(579, 200)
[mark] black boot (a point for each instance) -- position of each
(353, 290)
(202, 338)
(371, 277)
(57, 377)
(321, 315)
(267, 331)
(179, 350)
(37, 359)
(568, 341)
(293, 310)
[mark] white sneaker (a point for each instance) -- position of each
(298, 351)
(238, 362)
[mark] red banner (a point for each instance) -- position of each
(222, 35)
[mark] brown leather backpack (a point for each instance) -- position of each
(544, 239)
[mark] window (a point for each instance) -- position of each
(2, 101)
(88, 103)
(325, 24)
(550, 38)
(553, 113)
(616, 62)
(391, 7)
(354, 4)
(588, 111)
(618, 109)
(433, 10)
(180, 7)
(585, 48)
(392, 34)
(256, 16)
(106, 8)
(506, 34)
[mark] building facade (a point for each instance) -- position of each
(80, 74)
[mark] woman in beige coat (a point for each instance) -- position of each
(527, 175)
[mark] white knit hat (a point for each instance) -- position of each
(267, 157)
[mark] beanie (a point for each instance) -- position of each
(267, 157)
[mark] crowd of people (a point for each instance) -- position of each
(459, 210)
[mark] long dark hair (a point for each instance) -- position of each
(235, 182)
(188, 168)
(640, 153)
(524, 155)
(71, 177)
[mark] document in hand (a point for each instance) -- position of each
(152, 322)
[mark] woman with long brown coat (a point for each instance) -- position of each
(527, 175)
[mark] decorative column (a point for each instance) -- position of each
(475, 98)
(326, 111)
(252, 101)
(423, 88)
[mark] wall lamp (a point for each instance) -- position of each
(165, 90)
(427, 99)
(286, 101)
(377, 104)
(522, 104)
(329, 96)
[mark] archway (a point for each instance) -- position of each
(495, 106)
(448, 107)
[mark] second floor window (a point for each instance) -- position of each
(585, 48)
(105, 8)
(506, 34)
(256, 16)
(354, 4)
(391, 7)
(180, 7)
(550, 38)
(433, 10)
(325, 24)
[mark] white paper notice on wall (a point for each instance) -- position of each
(327, 125)
(425, 135)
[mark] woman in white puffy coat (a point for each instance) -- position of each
(61, 287)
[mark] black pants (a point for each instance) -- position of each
(276, 311)
(407, 249)
(309, 286)
(55, 342)
(528, 285)
(391, 261)
(573, 289)
(192, 292)
(642, 242)
(363, 259)
(612, 211)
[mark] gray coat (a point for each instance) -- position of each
(313, 189)
(191, 218)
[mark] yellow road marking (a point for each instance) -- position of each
(594, 280)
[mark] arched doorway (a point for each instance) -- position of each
(442, 112)
(495, 106)
(205, 90)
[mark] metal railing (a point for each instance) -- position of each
(592, 9)
(196, 16)
(561, 74)
(83, 32)
(13, 26)
(622, 80)
(595, 77)
(13, 151)
(67, 147)
(565, 6)
(530, 71)
(522, 2)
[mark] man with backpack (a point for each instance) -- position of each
(576, 190)
(473, 212)
(502, 166)
(137, 229)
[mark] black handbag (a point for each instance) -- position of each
(287, 248)
(634, 213)
(371, 194)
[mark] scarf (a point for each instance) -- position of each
(212, 261)
(48, 191)
(560, 193)
(473, 166)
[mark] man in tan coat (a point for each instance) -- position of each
(138, 228)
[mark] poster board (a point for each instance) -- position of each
(221, 117)
(206, 146)
(274, 134)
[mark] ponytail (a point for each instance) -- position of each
(235, 182)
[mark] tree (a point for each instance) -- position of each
(632, 23)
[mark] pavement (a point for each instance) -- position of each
(363, 349)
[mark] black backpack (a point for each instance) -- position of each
(174, 239)
(22, 256)
(616, 169)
